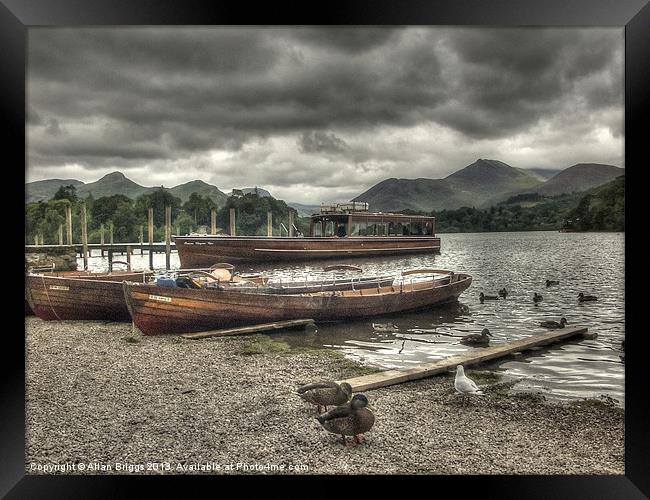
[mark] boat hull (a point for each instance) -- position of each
(76, 296)
(164, 310)
(200, 251)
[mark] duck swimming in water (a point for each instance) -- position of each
(586, 298)
(477, 339)
(554, 324)
(325, 393)
(351, 419)
(537, 298)
(551, 282)
(483, 297)
(503, 293)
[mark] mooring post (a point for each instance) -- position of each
(61, 234)
(290, 223)
(36, 239)
(168, 234)
(213, 221)
(101, 238)
(269, 223)
(233, 230)
(84, 235)
(150, 235)
(141, 240)
(110, 259)
(110, 234)
(128, 257)
(68, 223)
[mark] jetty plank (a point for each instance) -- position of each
(278, 325)
(472, 357)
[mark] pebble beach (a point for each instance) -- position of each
(101, 398)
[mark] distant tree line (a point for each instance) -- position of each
(600, 209)
(126, 216)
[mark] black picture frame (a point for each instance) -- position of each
(16, 16)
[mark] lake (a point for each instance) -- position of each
(592, 263)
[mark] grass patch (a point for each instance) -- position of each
(131, 340)
(349, 367)
(263, 344)
(484, 377)
(603, 402)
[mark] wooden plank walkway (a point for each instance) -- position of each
(264, 327)
(472, 357)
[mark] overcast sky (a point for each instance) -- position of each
(318, 115)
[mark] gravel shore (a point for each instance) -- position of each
(99, 393)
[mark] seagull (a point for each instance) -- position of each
(537, 298)
(477, 339)
(551, 282)
(553, 324)
(465, 385)
(586, 298)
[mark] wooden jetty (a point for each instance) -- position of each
(264, 327)
(471, 357)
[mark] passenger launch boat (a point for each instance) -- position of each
(167, 310)
(340, 231)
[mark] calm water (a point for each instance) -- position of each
(592, 263)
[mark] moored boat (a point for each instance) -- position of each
(344, 230)
(80, 294)
(168, 310)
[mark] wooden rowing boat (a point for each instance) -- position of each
(80, 294)
(167, 310)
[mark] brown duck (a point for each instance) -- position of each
(351, 419)
(326, 393)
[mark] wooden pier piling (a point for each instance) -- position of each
(68, 223)
(141, 240)
(60, 234)
(101, 238)
(84, 235)
(213, 221)
(290, 223)
(269, 223)
(233, 230)
(471, 357)
(128, 257)
(150, 235)
(168, 234)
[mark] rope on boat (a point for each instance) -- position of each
(48, 297)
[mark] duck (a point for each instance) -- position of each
(551, 282)
(503, 293)
(325, 393)
(554, 324)
(586, 298)
(477, 339)
(483, 297)
(465, 385)
(537, 298)
(351, 419)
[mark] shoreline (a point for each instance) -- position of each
(99, 393)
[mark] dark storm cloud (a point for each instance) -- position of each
(321, 142)
(124, 97)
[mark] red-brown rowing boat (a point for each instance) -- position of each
(167, 310)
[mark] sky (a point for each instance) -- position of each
(320, 114)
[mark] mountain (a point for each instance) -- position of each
(304, 210)
(118, 183)
(580, 177)
(183, 191)
(46, 189)
(110, 184)
(544, 174)
(471, 186)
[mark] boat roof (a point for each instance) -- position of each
(373, 216)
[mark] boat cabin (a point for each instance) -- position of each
(354, 219)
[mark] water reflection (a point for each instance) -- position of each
(592, 263)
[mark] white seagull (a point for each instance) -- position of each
(465, 385)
